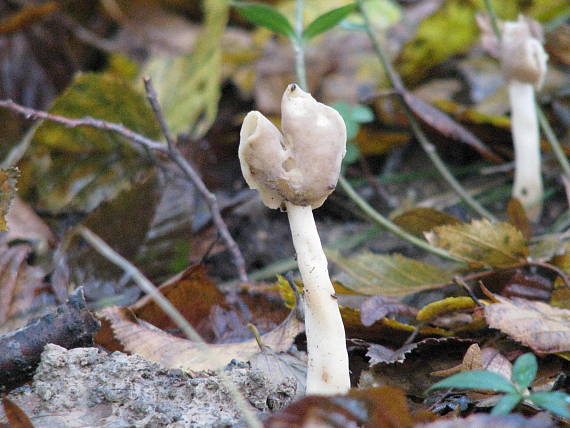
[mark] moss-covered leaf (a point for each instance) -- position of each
(78, 168)
(481, 243)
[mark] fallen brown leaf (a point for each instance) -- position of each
(17, 418)
(174, 352)
(540, 326)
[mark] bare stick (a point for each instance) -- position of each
(195, 178)
(147, 143)
(148, 287)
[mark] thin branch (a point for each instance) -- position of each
(118, 128)
(426, 145)
(148, 287)
(195, 178)
(147, 144)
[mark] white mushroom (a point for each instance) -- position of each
(523, 62)
(296, 171)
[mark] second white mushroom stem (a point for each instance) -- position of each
(327, 368)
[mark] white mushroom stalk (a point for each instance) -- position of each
(523, 62)
(296, 170)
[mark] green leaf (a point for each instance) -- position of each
(393, 275)
(524, 370)
(481, 243)
(506, 404)
(189, 86)
(362, 114)
(477, 379)
(78, 168)
(327, 21)
(265, 16)
(555, 402)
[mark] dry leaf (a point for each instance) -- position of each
(542, 327)
(518, 218)
(8, 179)
(378, 307)
(17, 418)
(173, 352)
(542, 420)
(473, 360)
(481, 243)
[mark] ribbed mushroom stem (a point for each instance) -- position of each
(524, 124)
(327, 371)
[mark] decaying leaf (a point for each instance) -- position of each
(517, 217)
(383, 407)
(473, 360)
(481, 243)
(17, 418)
(378, 307)
(174, 352)
(78, 168)
(393, 275)
(481, 420)
(20, 283)
(542, 327)
(420, 220)
(8, 178)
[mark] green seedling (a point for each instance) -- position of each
(516, 389)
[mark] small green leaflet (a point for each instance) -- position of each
(265, 16)
(524, 370)
(327, 21)
(506, 404)
(556, 402)
(477, 379)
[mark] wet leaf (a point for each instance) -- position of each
(17, 418)
(327, 21)
(188, 86)
(524, 370)
(517, 217)
(417, 221)
(174, 352)
(378, 307)
(265, 16)
(449, 304)
(477, 379)
(481, 243)
(8, 181)
(542, 327)
(383, 407)
(393, 275)
(78, 168)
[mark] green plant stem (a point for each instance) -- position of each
(426, 145)
(148, 287)
(298, 46)
(544, 124)
(390, 226)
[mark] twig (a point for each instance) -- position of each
(427, 146)
(148, 144)
(461, 282)
(195, 178)
(148, 287)
(31, 113)
(544, 124)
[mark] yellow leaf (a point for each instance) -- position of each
(449, 304)
(417, 221)
(8, 178)
(481, 243)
